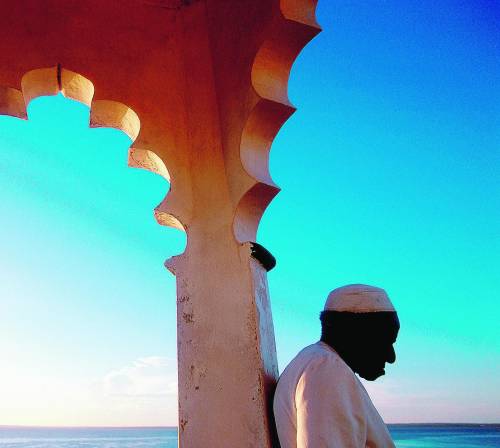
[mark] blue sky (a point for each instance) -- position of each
(390, 176)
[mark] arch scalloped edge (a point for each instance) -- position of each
(165, 213)
(54, 80)
(113, 114)
(274, 60)
(259, 132)
(263, 123)
(250, 209)
(303, 11)
(147, 160)
(12, 103)
(269, 77)
(150, 161)
(103, 113)
(168, 220)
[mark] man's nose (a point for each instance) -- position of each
(391, 355)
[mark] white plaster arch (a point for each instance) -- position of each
(103, 113)
(270, 72)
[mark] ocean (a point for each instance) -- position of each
(445, 436)
(405, 436)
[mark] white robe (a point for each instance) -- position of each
(320, 403)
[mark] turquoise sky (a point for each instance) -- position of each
(390, 176)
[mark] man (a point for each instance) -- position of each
(319, 401)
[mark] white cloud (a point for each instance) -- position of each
(149, 377)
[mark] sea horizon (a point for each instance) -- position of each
(175, 427)
(405, 435)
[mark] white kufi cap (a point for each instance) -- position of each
(358, 299)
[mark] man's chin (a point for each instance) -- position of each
(372, 376)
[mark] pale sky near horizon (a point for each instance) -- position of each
(390, 176)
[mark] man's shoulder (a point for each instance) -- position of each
(321, 355)
(319, 352)
(318, 355)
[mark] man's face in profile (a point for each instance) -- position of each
(373, 347)
(363, 340)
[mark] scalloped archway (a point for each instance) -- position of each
(208, 79)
